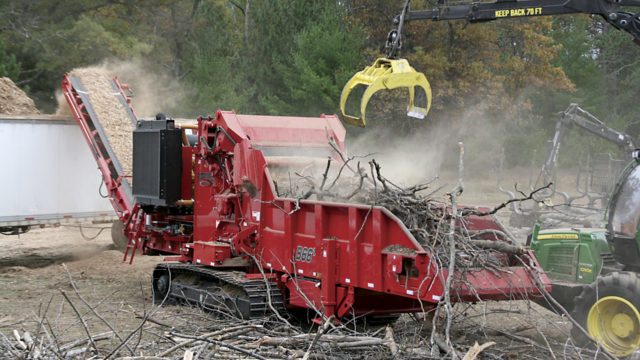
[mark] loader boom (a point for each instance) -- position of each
(575, 115)
(505, 9)
(610, 10)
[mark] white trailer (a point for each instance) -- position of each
(47, 175)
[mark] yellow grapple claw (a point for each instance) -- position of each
(385, 74)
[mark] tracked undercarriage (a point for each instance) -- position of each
(224, 291)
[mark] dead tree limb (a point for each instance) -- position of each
(476, 349)
(96, 337)
(326, 174)
(321, 330)
(452, 246)
(393, 346)
(362, 177)
(211, 334)
(75, 289)
(381, 178)
(335, 147)
(221, 343)
(84, 323)
(500, 246)
(525, 197)
(340, 172)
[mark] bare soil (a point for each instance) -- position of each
(31, 266)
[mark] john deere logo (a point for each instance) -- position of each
(557, 236)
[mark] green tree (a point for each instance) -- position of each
(289, 43)
(213, 65)
(618, 57)
(9, 66)
(325, 56)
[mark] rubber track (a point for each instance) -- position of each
(256, 289)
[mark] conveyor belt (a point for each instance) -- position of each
(86, 102)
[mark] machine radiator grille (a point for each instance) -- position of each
(608, 259)
(561, 260)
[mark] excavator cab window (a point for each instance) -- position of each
(626, 212)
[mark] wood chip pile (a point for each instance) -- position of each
(14, 101)
(111, 113)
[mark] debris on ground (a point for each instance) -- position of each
(88, 315)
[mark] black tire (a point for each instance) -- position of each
(118, 237)
(625, 285)
(161, 286)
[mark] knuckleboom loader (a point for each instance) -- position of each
(595, 272)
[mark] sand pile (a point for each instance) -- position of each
(110, 111)
(13, 100)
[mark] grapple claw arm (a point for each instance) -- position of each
(392, 72)
(386, 74)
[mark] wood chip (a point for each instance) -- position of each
(14, 101)
(111, 113)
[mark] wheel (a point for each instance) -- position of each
(608, 310)
(14, 230)
(118, 237)
(161, 286)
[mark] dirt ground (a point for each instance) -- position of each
(32, 273)
(34, 278)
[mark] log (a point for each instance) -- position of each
(500, 246)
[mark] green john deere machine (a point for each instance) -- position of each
(595, 273)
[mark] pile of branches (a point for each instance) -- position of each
(182, 332)
(427, 217)
(438, 225)
(220, 339)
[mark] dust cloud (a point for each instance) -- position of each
(154, 90)
(433, 148)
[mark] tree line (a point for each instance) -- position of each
(292, 57)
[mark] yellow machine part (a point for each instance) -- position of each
(615, 323)
(386, 74)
